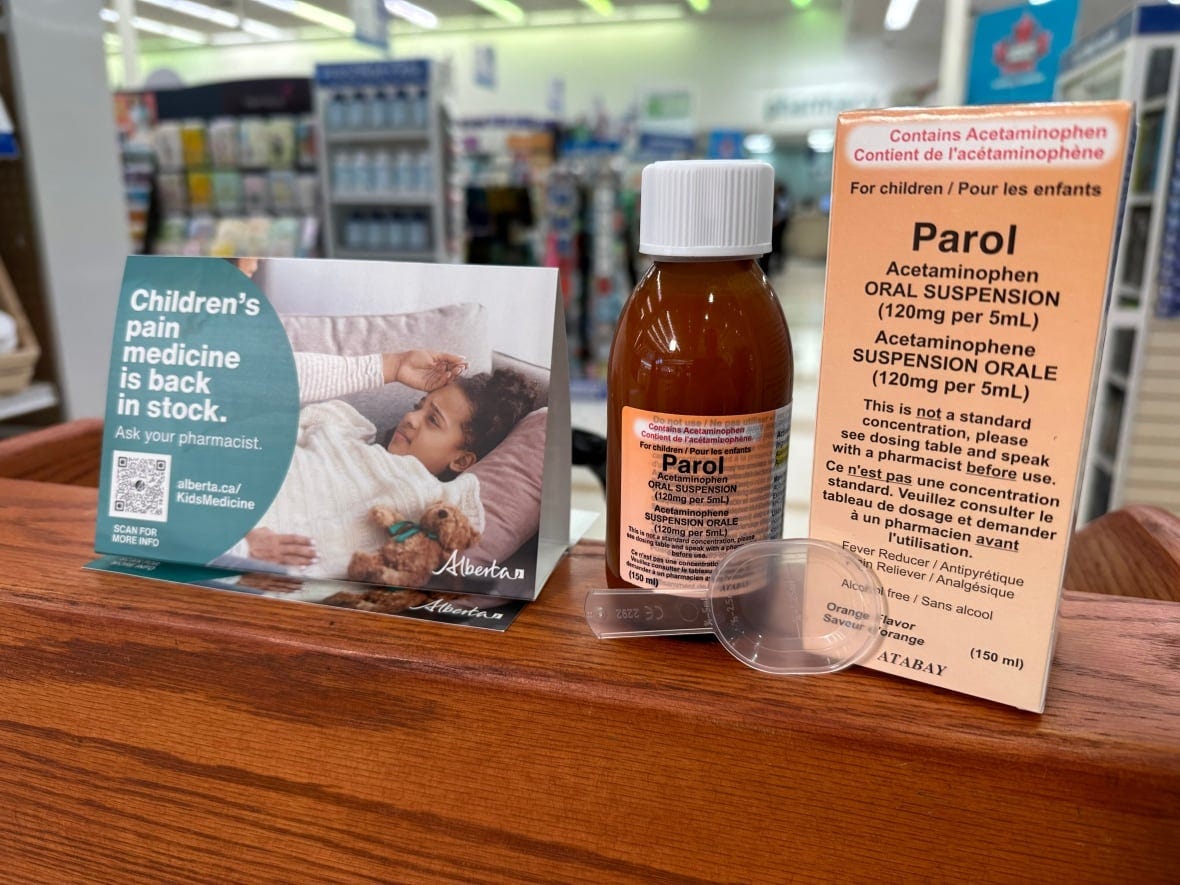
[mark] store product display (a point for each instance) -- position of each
(935, 466)
(700, 371)
(384, 172)
(217, 175)
(223, 181)
(135, 115)
(379, 107)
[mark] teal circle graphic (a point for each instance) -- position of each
(202, 411)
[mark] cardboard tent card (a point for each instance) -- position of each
(252, 425)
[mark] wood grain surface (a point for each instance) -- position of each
(70, 453)
(1134, 551)
(151, 732)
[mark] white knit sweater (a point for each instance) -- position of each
(328, 376)
(337, 474)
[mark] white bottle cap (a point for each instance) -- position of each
(706, 208)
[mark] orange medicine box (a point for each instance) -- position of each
(969, 257)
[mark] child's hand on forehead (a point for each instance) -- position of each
(423, 369)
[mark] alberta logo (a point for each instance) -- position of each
(462, 567)
(442, 607)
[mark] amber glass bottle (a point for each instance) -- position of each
(699, 381)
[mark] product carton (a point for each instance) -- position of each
(968, 270)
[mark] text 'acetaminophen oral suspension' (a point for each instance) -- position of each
(699, 384)
(968, 268)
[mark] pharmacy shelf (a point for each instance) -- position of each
(380, 171)
(385, 255)
(381, 136)
(391, 200)
(37, 396)
(1137, 58)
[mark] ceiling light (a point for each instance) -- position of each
(412, 13)
(602, 7)
(185, 35)
(699, 5)
(320, 16)
(263, 30)
(899, 13)
(198, 10)
(151, 26)
(317, 15)
(567, 17)
(651, 12)
(251, 27)
(505, 9)
(800, 4)
(548, 18)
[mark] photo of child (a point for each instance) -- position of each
(350, 458)
(339, 470)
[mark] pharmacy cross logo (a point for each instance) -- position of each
(1021, 51)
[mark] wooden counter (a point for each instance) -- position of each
(150, 732)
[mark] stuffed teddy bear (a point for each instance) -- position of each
(413, 550)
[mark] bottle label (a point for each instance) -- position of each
(695, 488)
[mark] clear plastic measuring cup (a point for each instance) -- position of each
(789, 606)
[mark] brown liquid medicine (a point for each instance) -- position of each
(699, 381)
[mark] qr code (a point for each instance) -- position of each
(140, 484)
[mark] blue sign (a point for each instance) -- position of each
(1016, 52)
(657, 145)
(485, 66)
(406, 72)
(586, 145)
(372, 22)
(725, 144)
(8, 147)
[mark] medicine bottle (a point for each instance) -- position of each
(699, 381)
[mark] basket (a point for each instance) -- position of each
(16, 368)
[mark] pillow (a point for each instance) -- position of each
(454, 328)
(510, 488)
